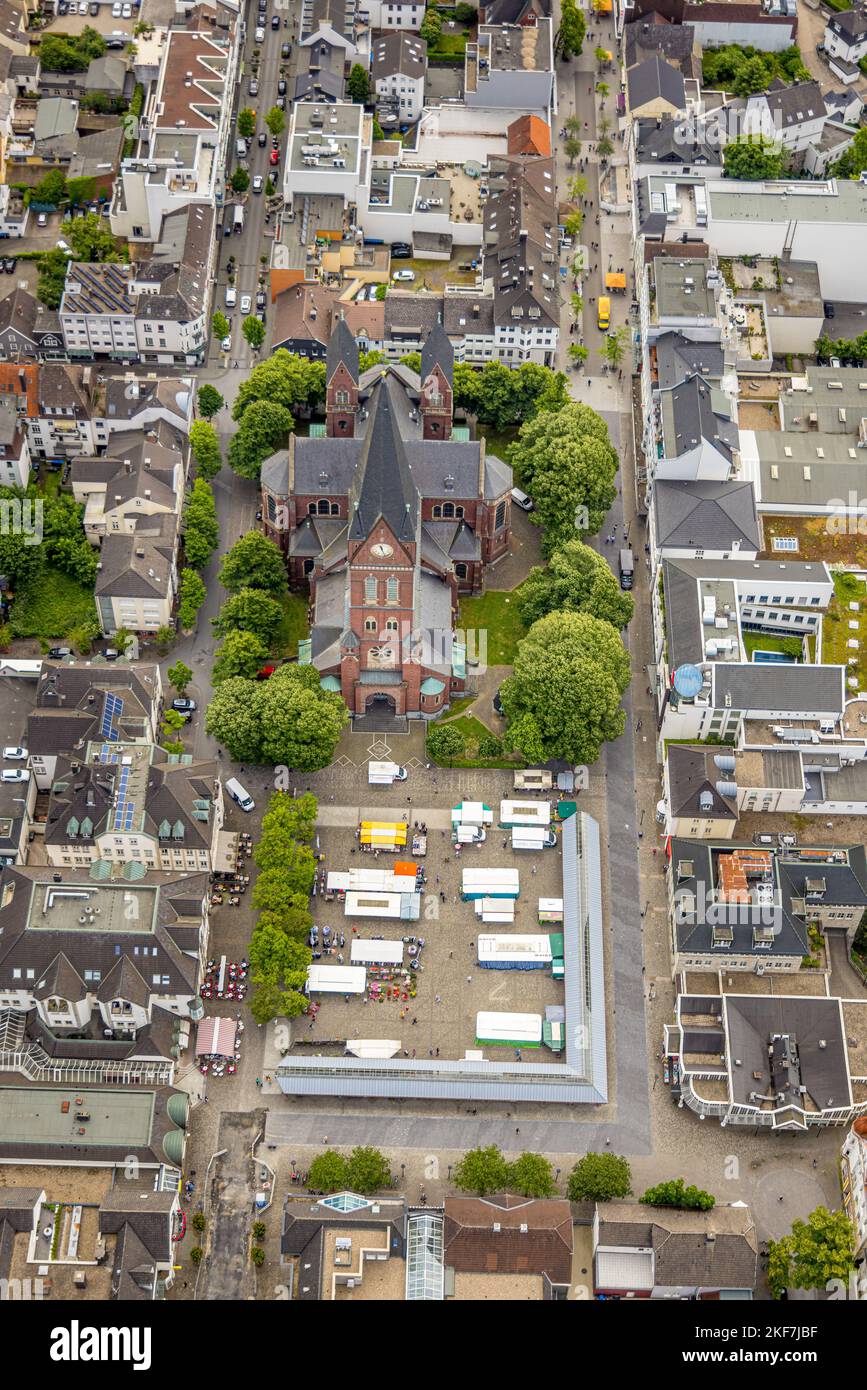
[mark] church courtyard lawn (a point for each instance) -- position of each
(293, 627)
(494, 614)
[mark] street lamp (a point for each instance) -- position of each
(450, 1172)
(402, 1171)
(556, 1175)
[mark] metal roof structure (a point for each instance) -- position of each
(581, 1078)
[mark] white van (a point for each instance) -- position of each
(521, 500)
(383, 774)
(237, 793)
(241, 148)
(231, 296)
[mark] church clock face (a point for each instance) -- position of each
(381, 550)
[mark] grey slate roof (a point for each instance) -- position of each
(437, 351)
(779, 689)
(691, 772)
(851, 25)
(342, 347)
(693, 411)
(818, 1029)
(684, 1257)
(648, 35)
(652, 80)
(678, 357)
(706, 515)
(384, 486)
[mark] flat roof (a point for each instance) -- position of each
(33, 1115)
(59, 907)
(782, 201)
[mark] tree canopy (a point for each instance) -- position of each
(675, 1193)
(599, 1178)
(288, 720)
(264, 428)
(753, 158)
(209, 400)
(358, 84)
(563, 698)
(853, 161)
(532, 1175)
(253, 330)
(503, 397)
(565, 460)
(205, 448)
(745, 70)
(241, 654)
(284, 379)
(191, 595)
(482, 1171)
(573, 27)
(576, 580)
(71, 52)
(816, 1251)
(252, 611)
(254, 562)
(201, 528)
(91, 240)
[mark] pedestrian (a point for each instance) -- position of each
(438, 997)
(469, 979)
(451, 953)
(517, 1129)
(815, 1164)
(505, 842)
(415, 1020)
(438, 1052)
(780, 1198)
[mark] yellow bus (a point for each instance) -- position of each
(603, 317)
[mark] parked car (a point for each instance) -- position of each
(401, 251)
(262, 138)
(183, 705)
(127, 11)
(257, 183)
(226, 344)
(404, 275)
(261, 299)
(246, 304)
(82, 7)
(281, 87)
(275, 21)
(94, 8)
(285, 50)
(16, 774)
(829, 311)
(62, 7)
(521, 500)
(275, 156)
(111, 654)
(260, 35)
(58, 653)
(253, 88)
(260, 315)
(14, 754)
(42, 220)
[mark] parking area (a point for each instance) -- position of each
(443, 84)
(104, 21)
(431, 1010)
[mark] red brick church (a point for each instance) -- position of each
(388, 518)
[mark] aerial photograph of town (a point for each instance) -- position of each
(433, 663)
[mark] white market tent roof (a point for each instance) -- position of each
(376, 952)
(371, 1047)
(336, 979)
(509, 1028)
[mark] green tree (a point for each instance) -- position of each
(163, 637)
(210, 401)
(327, 1172)
(251, 611)
(411, 359)
(853, 161)
(199, 1221)
(253, 330)
(292, 817)
(753, 158)
(247, 123)
(51, 279)
(576, 580)
(264, 428)
(289, 858)
(170, 730)
(81, 190)
(257, 1255)
(254, 562)
(380, 292)
(578, 352)
(572, 148)
(275, 121)
(604, 147)
(367, 1170)
(197, 1254)
(602, 56)
(565, 460)
(358, 85)
(532, 1175)
(179, 676)
(482, 1171)
(585, 662)
(284, 379)
(201, 527)
(599, 1178)
(205, 448)
(675, 1193)
(274, 956)
(90, 240)
(220, 326)
(431, 26)
(232, 720)
(51, 188)
(817, 1250)
(240, 181)
(614, 347)
(300, 722)
(241, 654)
(466, 14)
(369, 359)
(570, 36)
(191, 595)
(444, 741)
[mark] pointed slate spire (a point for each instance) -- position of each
(342, 347)
(384, 486)
(438, 352)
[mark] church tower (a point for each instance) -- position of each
(437, 385)
(341, 383)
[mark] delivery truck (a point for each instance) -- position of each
(383, 774)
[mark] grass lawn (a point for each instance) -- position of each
(836, 631)
(293, 626)
(496, 614)
(473, 731)
(49, 482)
(764, 642)
(448, 45)
(53, 607)
(458, 706)
(498, 441)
